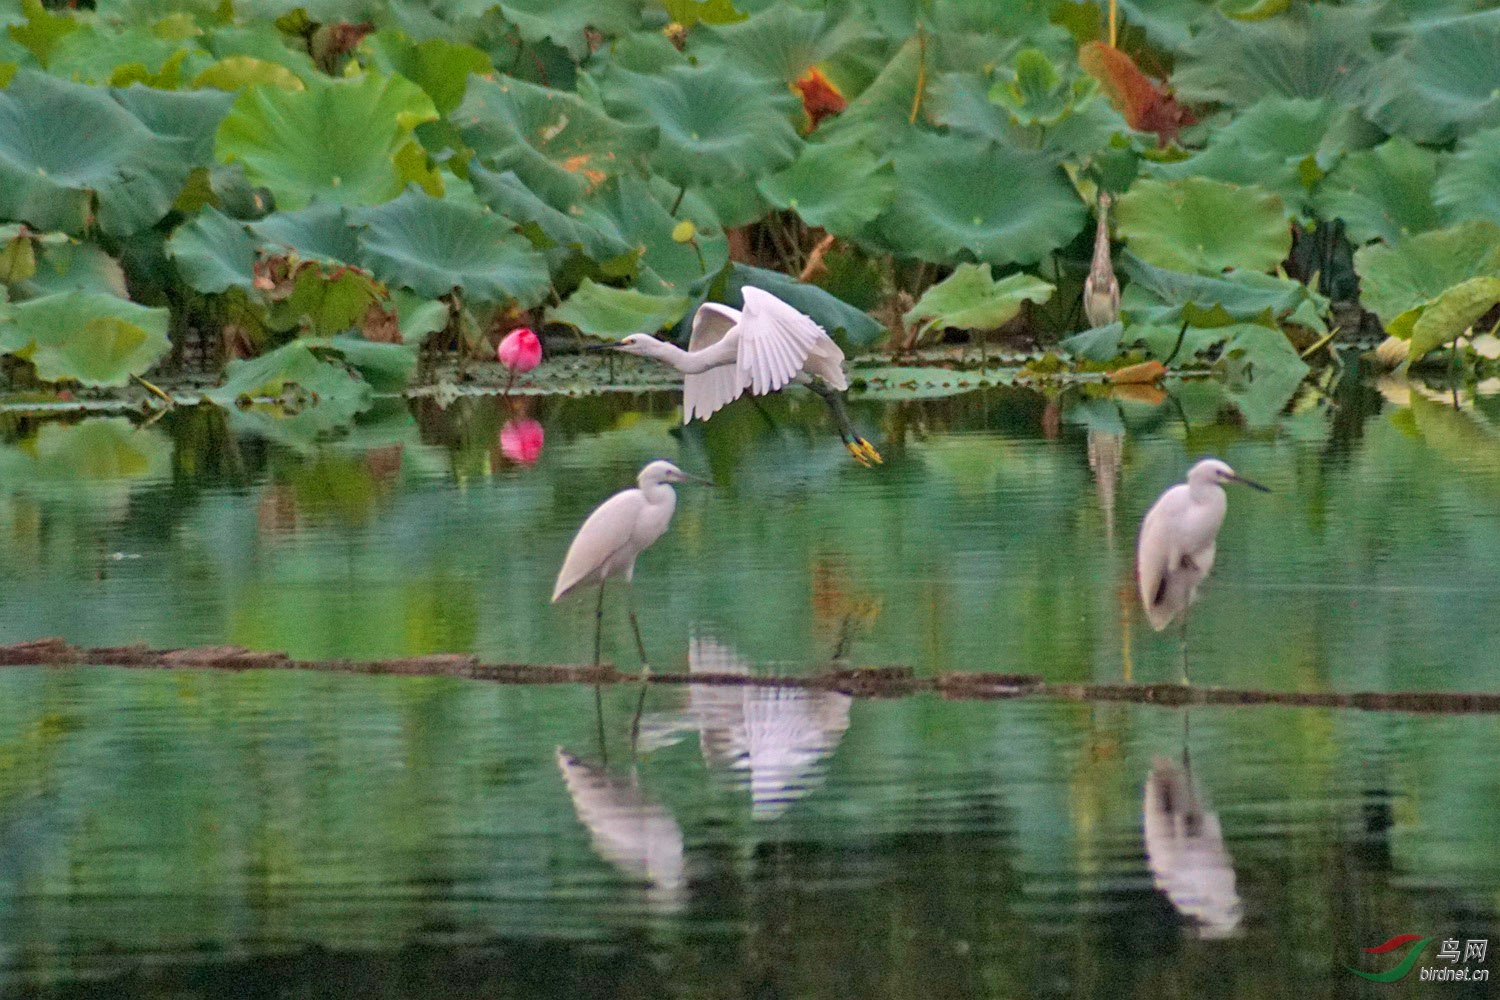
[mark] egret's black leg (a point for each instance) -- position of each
(599, 624)
(599, 722)
(863, 451)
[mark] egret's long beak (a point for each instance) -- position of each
(596, 348)
(686, 478)
(1250, 483)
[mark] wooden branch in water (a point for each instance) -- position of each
(868, 682)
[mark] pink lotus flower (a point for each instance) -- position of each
(521, 440)
(520, 351)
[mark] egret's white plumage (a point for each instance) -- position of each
(1178, 538)
(758, 349)
(617, 532)
(1185, 851)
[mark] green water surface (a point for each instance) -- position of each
(279, 834)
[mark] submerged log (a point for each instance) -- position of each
(868, 682)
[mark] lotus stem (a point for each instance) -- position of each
(1114, 18)
(916, 100)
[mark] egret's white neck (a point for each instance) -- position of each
(1204, 490)
(657, 491)
(691, 362)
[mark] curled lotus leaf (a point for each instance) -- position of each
(602, 311)
(89, 337)
(49, 176)
(841, 187)
(1469, 185)
(1453, 313)
(585, 230)
(965, 198)
(1384, 193)
(213, 252)
(431, 246)
(1205, 226)
(1397, 282)
(440, 67)
(558, 144)
(640, 212)
(1443, 81)
(715, 123)
(339, 140)
(971, 299)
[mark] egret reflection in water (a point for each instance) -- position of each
(1185, 849)
(629, 830)
(776, 740)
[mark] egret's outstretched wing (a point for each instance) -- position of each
(707, 392)
(775, 340)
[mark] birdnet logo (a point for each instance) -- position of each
(1474, 952)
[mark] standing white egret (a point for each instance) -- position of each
(618, 531)
(761, 348)
(1176, 547)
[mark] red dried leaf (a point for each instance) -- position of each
(1147, 105)
(820, 98)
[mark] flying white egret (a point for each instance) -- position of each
(618, 531)
(761, 349)
(1176, 547)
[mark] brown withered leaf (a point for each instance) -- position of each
(380, 325)
(1146, 105)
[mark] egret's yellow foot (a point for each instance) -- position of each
(864, 453)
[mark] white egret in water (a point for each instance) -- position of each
(629, 830)
(761, 348)
(618, 531)
(1176, 547)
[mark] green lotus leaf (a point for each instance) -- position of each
(1452, 314)
(1443, 81)
(1159, 296)
(386, 367)
(566, 23)
(853, 327)
(1397, 280)
(602, 311)
(92, 54)
(438, 66)
(93, 338)
(559, 145)
(213, 252)
(641, 213)
(316, 395)
(971, 299)
(736, 203)
(49, 175)
(781, 42)
(239, 72)
(841, 187)
(69, 266)
(1197, 224)
(964, 198)
(1469, 185)
(1036, 93)
(418, 317)
(432, 246)
(259, 41)
(1384, 193)
(42, 31)
(318, 232)
(92, 451)
(587, 230)
(1317, 51)
(338, 139)
(715, 123)
(189, 116)
(325, 300)
(690, 12)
